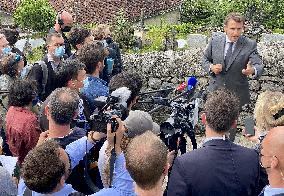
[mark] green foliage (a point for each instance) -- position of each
(123, 31)
(269, 13)
(35, 15)
(197, 11)
(90, 26)
(36, 54)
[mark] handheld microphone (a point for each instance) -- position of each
(181, 87)
(191, 83)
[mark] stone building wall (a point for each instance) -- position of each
(172, 67)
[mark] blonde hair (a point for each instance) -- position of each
(267, 105)
(99, 31)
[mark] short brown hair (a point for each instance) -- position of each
(92, 53)
(222, 109)
(49, 37)
(236, 16)
(146, 158)
(42, 168)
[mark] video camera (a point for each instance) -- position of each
(183, 117)
(107, 107)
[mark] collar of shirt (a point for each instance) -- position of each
(272, 191)
(93, 78)
(214, 138)
(227, 45)
(51, 60)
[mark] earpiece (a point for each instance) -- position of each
(59, 19)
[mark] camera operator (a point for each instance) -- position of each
(48, 165)
(137, 123)
(220, 167)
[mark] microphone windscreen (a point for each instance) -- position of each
(192, 81)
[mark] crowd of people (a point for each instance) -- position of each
(48, 110)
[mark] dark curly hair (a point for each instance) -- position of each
(22, 92)
(12, 35)
(222, 109)
(68, 70)
(63, 104)
(42, 168)
(125, 79)
(78, 36)
(90, 54)
(9, 64)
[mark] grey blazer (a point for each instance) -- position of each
(232, 77)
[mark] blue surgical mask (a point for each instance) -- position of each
(6, 50)
(59, 51)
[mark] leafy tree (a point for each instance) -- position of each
(123, 31)
(35, 15)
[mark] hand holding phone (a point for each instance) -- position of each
(249, 126)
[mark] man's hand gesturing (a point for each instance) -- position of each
(216, 69)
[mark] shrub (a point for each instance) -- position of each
(123, 31)
(35, 15)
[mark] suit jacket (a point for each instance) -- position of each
(232, 77)
(219, 168)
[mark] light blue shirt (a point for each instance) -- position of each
(76, 151)
(268, 191)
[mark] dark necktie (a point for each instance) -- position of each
(229, 54)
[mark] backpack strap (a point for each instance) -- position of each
(44, 75)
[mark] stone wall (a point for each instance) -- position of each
(172, 67)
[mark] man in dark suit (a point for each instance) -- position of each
(231, 57)
(220, 167)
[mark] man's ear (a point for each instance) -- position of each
(203, 118)
(46, 111)
(71, 84)
(166, 169)
(274, 162)
(234, 125)
(76, 114)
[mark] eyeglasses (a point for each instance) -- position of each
(260, 162)
(58, 44)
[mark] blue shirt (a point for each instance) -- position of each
(94, 87)
(76, 151)
(268, 191)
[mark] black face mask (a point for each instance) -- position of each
(108, 40)
(66, 29)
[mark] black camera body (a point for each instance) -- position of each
(181, 121)
(104, 113)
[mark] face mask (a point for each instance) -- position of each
(66, 29)
(108, 40)
(6, 50)
(59, 51)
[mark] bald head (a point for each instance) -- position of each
(67, 17)
(275, 141)
(65, 21)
